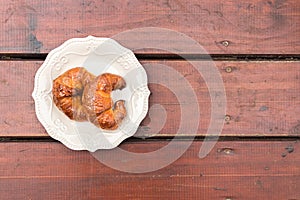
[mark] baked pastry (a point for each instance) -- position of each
(98, 104)
(67, 91)
(82, 96)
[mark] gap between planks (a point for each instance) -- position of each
(133, 139)
(168, 56)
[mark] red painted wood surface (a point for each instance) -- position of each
(221, 27)
(263, 98)
(232, 170)
(258, 156)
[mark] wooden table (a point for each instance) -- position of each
(255, 45)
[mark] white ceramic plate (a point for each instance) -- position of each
(97, 55)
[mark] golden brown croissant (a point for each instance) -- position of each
(67, 91)
(97, 101)
(82, 96)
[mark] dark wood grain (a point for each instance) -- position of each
(263, 98)
(221, 27)
(233, 170)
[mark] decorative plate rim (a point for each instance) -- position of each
(37, 95)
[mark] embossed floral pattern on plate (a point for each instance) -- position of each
(97, 55)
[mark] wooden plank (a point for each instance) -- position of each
(232, 170)
(221, 27)
(262, 98)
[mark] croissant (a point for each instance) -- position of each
(84, 97)
(67, 91)
(98, 103)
